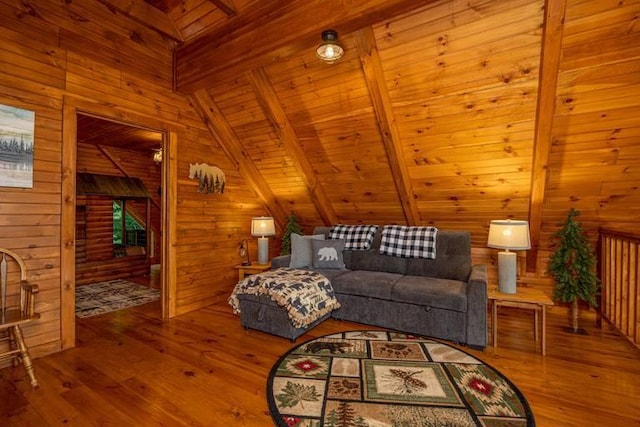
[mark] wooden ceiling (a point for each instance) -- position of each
(444, 112)
(102, 132)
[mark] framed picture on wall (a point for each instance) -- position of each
(16, 147)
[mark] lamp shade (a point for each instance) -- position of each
(509, 234)
(329, 50)
(262, 226)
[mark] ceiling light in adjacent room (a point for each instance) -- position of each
(157, 155)
(330, 50)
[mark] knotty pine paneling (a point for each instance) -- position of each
(210, 227)
(330, 109)
(52, 53)
(205, 11)
(462, 80)
(262, 144)
(593, 166)
(465, 106)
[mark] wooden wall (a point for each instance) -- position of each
(95, 259)
(81, 54)
(97, 262)
(444, 94)
(437, 116)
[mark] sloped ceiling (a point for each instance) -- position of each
(441, 112)
(428, 119)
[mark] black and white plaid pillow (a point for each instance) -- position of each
(409, 241)
(356, 237)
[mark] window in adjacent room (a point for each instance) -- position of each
(129, 233)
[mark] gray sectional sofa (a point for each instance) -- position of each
(443, 298)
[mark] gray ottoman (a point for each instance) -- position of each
(261, 313)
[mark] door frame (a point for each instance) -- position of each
(168, 275)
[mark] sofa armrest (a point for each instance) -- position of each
(477, 307)
(280, 261)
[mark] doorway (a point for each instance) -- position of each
(72, 110)
(118, 202)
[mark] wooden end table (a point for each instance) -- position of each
(247, 270)
(527, 298)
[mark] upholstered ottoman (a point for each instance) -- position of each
(285, 302)
(261, 313)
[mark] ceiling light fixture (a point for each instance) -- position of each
(329, 50)
(157, 155)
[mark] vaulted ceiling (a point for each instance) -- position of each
(389, 134)
(442, 112)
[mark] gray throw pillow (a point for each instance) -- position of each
(328, 253)
(301, 250)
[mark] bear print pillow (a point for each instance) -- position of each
(328, 253)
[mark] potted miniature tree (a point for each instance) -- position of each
(572, 265)
(292, 226)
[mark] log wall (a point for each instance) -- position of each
(94, 254)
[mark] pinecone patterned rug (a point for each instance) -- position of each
(385, 378)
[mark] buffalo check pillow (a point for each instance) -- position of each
(356, 237)
(409, 241)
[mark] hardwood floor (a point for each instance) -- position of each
(204, 369)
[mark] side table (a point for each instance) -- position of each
(527, 298)
(247, 270)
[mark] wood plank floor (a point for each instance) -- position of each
(204, 369)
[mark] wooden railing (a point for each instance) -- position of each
(619, 271)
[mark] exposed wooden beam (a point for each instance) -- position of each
(212, 59)
(225, 6)
(113, 160)
(231, 145)
(276, 114)
(549, 66)
(372, 67)
(146, 15)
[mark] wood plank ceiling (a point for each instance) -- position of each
(441, 112)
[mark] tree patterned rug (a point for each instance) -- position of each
(103, 297)
(384, 378)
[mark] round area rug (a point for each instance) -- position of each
(384, 378)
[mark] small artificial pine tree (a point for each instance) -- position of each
(572, 266)
(292, 226)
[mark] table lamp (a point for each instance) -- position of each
(508, 234)
(262, 227)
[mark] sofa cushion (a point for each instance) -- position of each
(327, 253)
(453, 258)
(431, 292)
(374, 284)
(330, 273)
(373, 261)
(301, 250)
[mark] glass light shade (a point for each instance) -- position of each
(157, 156)
(329, 50)
(262, 226)
(509, 234)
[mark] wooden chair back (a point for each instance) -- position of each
(17, 303)
(15, 314)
